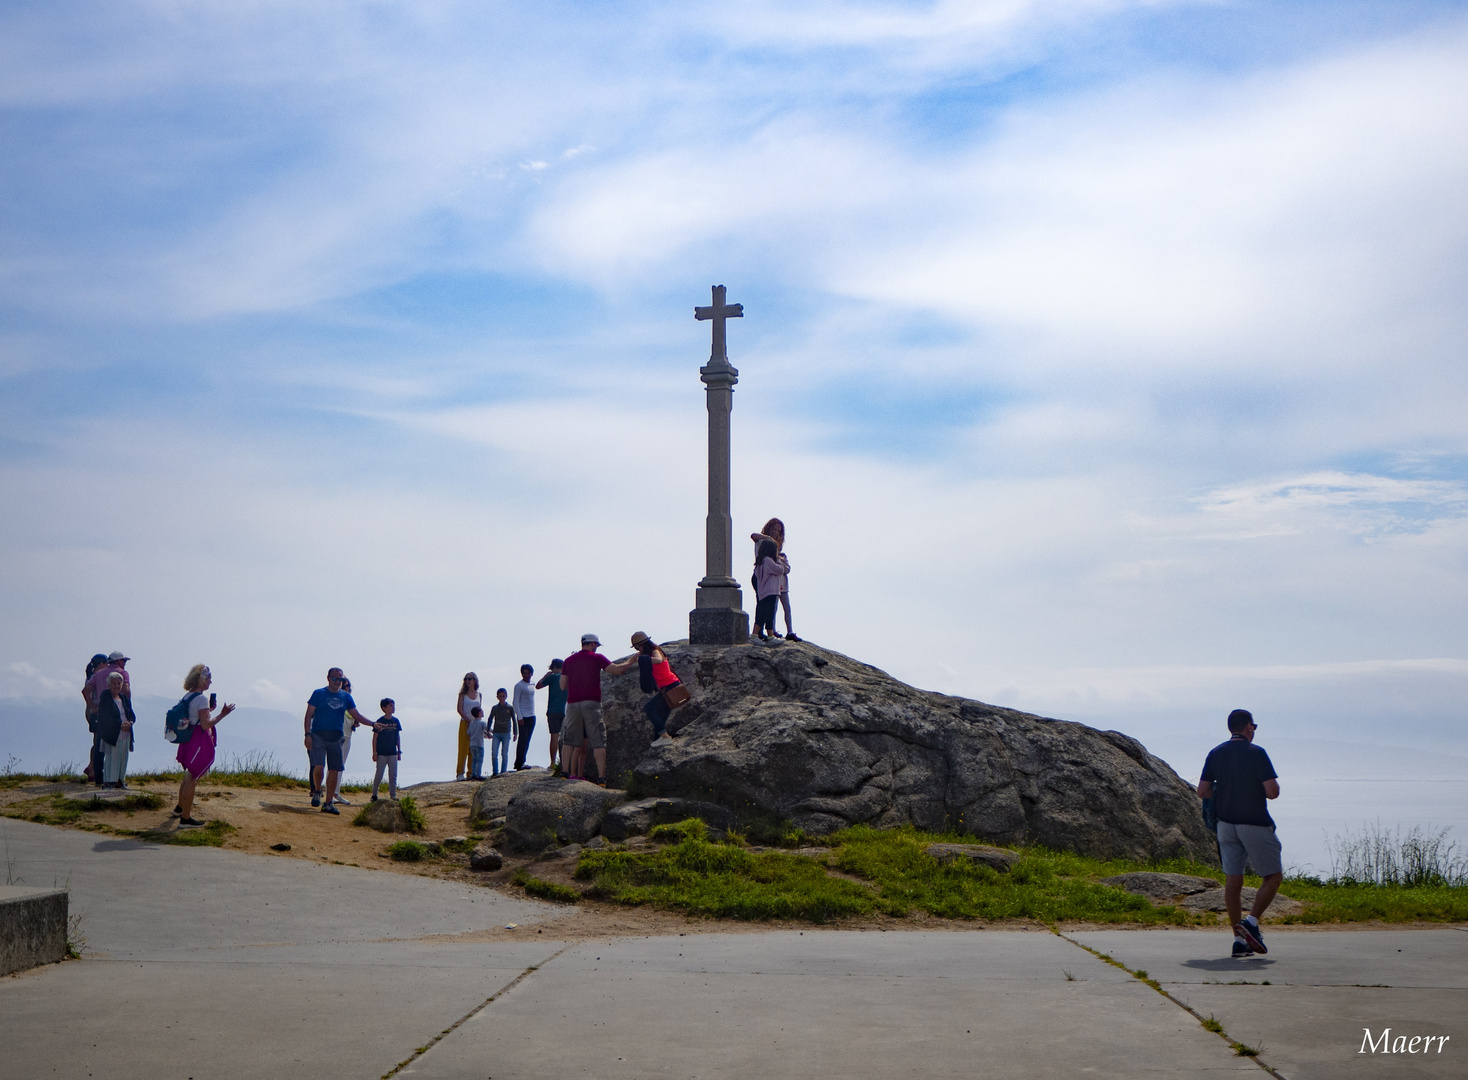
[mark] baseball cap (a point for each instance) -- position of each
(590, 639)
(117, 655)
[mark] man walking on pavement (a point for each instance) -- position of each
(326, 714)
(581, 679)
(1239, 777)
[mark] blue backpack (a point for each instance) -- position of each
(176, 726)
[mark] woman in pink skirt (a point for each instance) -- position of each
(197, 754)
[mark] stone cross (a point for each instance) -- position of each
(718, 616)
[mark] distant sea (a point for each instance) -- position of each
(1327, 787)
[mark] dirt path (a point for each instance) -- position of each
(263, 818)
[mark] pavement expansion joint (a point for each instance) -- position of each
(472, 1013)
(1210, 1024)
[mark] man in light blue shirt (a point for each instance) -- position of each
(524, 703)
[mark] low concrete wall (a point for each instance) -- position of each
(32, 927)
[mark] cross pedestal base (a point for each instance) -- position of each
(717, 618)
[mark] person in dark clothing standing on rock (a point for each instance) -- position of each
(555, 712)
(1240, 779)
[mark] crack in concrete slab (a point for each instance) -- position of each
(431, 1043)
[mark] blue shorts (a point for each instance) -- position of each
(326, 749)
(1244, 845)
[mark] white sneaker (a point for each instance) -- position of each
(340, 801)
(663, 740)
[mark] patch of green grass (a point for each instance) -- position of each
(461, 847)
(546, 890)
(722, 880)
(138, 800)
(412, 814)
(1047, 886)
(1333, 902)
(211, 834)
(1245, 1050)
(408, 851)
(1212, 1025)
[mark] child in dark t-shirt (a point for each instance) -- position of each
(502, 732)
(387, 748)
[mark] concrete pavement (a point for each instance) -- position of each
(1326, 989)
(204, 963)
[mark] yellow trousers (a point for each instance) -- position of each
(461, 764)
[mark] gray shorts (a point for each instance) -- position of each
(1254, 845)
(584, 725)
(326, 750)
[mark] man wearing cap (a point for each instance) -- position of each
(1240, 779)
(581, 679)
(92, 692)
(326, 714)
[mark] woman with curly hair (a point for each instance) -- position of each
(774, 529)
(469, 699)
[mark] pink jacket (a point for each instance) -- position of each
(769, 576)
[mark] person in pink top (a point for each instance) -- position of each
(581, 679)
(93, 692)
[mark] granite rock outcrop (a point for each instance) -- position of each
(796, 732)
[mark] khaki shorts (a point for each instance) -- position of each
(585, 725)
(1249, 845)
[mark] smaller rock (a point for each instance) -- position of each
(570, 851)
(549, 811)
(982, 854)
(485, 858)
(636, 818)
(496, 823)
(455, 841)
(1161, 886)
(597, 842)
(1212, 900)
(434, 847)
(385, 815)
(280, 847)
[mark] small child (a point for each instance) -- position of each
(502, 717)
(477, 728)
(387, 748)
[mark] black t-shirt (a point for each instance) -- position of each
(386, 742)
(1238, 770)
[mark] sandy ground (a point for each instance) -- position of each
(264, 817)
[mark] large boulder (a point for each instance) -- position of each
(797, 732)
(549, 811)
(494, 795)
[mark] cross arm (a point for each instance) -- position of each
(728, 311)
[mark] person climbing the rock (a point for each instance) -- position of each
(1240, 779)
(659, 680)
(769, 580)
(585, 728)
(774, 529)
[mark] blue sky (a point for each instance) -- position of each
(1104, 358)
